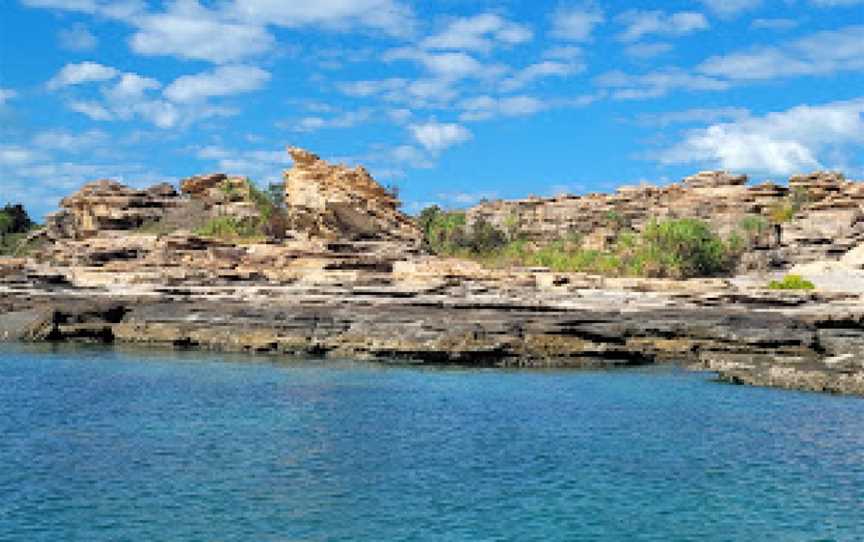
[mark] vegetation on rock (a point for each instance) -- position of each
(15, 223)
(792, 282)
(678, 248)
(271, 222)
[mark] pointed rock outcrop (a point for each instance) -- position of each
(336, 202)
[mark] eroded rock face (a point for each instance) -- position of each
(337, 202)
(107, 205)
(829, 223)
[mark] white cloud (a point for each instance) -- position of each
(780, 143)
(391, 16)
(234, 30)
(84, 72)
(479, 33)
(94, 110)
(641, 23)
(818, 54)
(420, 93)
(774, 24)
(730, 8)
(7, 94)
(647, 50)
(486, 107)
(575, 23)
(448, 65)
(77, 38)
(348, 119)
(131, 86)
(70, 142)
(697, 115)
(436, 137)
(222, 81)
(189, 30)
(541, 70)
(563, 52)
(836, 3)
(657, 83)
(12, 155)
(114, 9)
(264, 165)
(132, 95)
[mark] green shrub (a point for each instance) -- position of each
(15, 224)
(229, 227)
(673, 248)
(792, 282)
(682, 248)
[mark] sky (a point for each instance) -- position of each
(451, 101)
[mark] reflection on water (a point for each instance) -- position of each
(105, 445)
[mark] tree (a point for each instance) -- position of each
(14, 219)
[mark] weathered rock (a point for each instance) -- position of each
(350, 282)
(829, 222)
(109, 206)
(335, 202)
(714, 179)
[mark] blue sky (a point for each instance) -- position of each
(451, 100)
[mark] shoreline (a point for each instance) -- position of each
(810, 342)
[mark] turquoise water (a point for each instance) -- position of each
(103, 445)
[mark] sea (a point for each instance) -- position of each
(105, 444)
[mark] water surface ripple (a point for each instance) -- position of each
(105, 445)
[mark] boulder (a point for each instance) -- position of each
(337, 202)
(107, 205)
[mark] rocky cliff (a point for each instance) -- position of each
(349, 280)
(825, 220)
(336, 202)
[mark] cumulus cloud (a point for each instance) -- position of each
(540, 70)
(264, 164)
(125, 96)
(820, 53)
(94, 110)
(233, 30)
(773, 24)
(222, 81)
(436, 137)
(731, 8)
(7, 94)
(451, 65)
(696, 115)
(77, 38)
(83, 72)
(640, 23)
(779, 143)
(479, 33)
(836, 3)
(62, 140)
(656, 83)
(647, 50)
(391, 16)
(486, 107)
(189, 30)
(347, 119)
(576, 23)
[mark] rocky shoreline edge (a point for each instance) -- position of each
(804, 341)
(326, 264)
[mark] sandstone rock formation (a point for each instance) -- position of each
(107, 205)
(830, 220)
(335, 202)
(350, 281)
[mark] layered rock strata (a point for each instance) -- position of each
(351, 281)
(829, 222)
(335, 202)
(446, 312)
